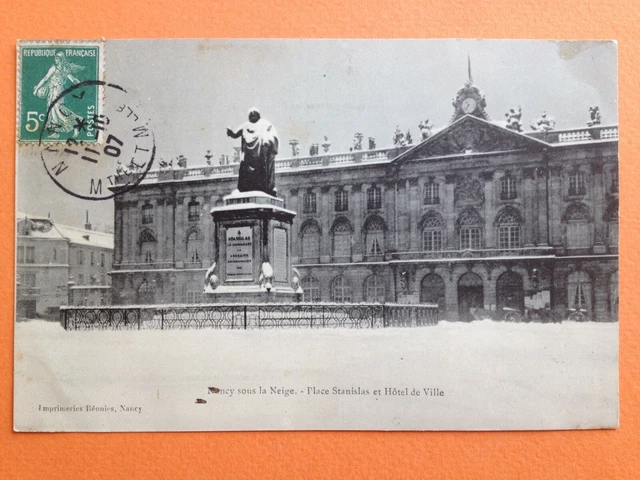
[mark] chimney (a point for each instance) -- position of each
(87, 225)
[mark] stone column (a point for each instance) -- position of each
(159, 223)
(356, 215)
(413, 207)
(530, 225)
(181, 231)
(325, 222)
(389, 216)
(542, 197)
(598, 195)
(403, 218)
(449, 214)
(294, 200)
(555, 202)
(489, 209)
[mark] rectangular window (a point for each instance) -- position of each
(309, 203)
(470, 238)
(80, 258)
(92, 260)
(194, 296)
(509, 237)
(374, 198)
(342, 245)
(431, 194)
(508, 188)
(20, 254)
(614, 181)
(81, 279)
(375, 240)
(103, 280)
(310, 245)
(194, 211)
(342, 201)
(30, 255)
(432, 240)
(147, 214)
(577, 184)
(55, 254)
(102, 259)
(578, 235)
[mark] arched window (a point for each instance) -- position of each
(578, 220)
(509, 229)
(148, 247)
(310, 290)
(310, 241)
(147, 214)
(194, 246)
(470, 225)
(374, 198)
(374, 289)
(374, 237)
(579, 291)
(340, 290)
(432, 234)
(342, 239)
(146, 292)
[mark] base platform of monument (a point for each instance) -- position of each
(253, 251)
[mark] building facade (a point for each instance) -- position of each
(474, 217)
(60, 265)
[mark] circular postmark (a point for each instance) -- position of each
(118, 156)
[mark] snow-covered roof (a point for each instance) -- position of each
(44, 227)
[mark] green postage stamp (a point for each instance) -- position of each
(48, 110)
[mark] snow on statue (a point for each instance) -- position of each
(259, 149)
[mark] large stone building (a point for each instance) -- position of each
(60, 265)
(474, 216)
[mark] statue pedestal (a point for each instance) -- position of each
(252, 251)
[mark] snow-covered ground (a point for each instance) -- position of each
(492, 376)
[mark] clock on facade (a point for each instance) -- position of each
(468, 105)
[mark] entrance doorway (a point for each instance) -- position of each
(509, 294)
(470, 295)
(432, 290)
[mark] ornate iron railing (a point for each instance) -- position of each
(245, 317)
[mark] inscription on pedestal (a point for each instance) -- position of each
(280, 255)
(239, 246)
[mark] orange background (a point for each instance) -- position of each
(347, 455)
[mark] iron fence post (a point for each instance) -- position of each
(245, 317)
(161, 319)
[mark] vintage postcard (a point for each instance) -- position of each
(316, 234)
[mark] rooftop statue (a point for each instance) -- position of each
(259, 149)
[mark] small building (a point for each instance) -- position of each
(60, 265)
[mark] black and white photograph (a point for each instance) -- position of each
(316, 235)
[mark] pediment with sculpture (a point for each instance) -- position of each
(471, 135)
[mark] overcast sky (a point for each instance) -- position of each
(193, 89)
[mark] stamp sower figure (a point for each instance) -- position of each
(259, 149)
(61, 118)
